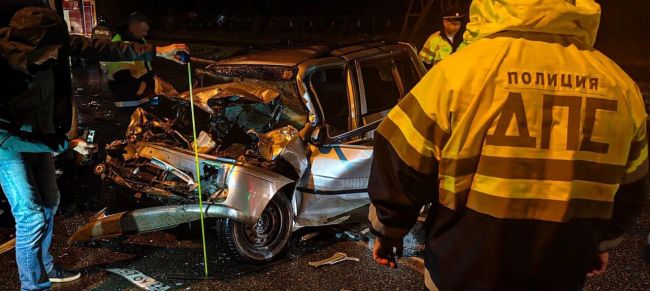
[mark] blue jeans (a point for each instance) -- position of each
(29, 182)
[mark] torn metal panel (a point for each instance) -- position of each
(171, 169)
(273, 143)
(295, 153)
(336, 183)
(246, 91)
(339, 167)
(248, 192)
(204, 143)
(163, 88)
(250, 189)
(237, 191)
(182, 159)
(285, 142)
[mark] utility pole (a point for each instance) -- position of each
(415, 15)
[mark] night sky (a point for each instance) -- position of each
(619, 17)
(624, 31)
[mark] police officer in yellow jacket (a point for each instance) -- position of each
(131, 83)
(446, 42)
(530, 144)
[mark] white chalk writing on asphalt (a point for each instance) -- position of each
(140, 279)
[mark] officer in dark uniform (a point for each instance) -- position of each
(102, 31)
(449, 40)
(131, 83)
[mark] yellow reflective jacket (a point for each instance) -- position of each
(137, 69)
(531, 135)
(437, 48)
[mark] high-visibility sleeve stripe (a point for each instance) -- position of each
(459, 167)
(425, 57)
(534, 153)
(536, 189)
(424, 163)
(547, 169)
(427, 51)
(417, 118)
(534, 169)
(426, 60)
(453, 200)
(453, 191)
(455, 184)
(418, 141)
(538, 209)
(384, 230)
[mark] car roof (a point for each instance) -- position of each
(274, 57)
(290, 57)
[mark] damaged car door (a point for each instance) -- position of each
(353, 100)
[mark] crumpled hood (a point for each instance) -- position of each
(579, 18)
(247, 91)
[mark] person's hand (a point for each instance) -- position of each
(601, 266)
(82, 147)
(385, 252)
(169, 52)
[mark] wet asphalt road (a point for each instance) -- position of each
(174, 257)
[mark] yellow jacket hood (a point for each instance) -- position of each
(579, 18)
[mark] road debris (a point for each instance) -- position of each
(413, 263)
(7, 246)
(140, 279)
(355, 236)
(310, 235)
(335, 259)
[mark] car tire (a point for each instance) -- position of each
(263, 241)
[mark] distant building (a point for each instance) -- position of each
(80, 18)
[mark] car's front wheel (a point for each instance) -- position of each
(264, 240)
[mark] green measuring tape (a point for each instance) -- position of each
(196, 162)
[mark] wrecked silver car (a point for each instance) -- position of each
(285, 142)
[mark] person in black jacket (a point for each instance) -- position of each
(35, 115)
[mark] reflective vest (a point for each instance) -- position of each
(137, 68)
(436, 48)
(539, 145)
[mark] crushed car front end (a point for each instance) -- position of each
(248, 154)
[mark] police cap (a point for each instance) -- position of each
(453, 13)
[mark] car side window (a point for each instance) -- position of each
(329, 86)
(379, 84)
(407, 72)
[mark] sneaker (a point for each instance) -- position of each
(61, 275)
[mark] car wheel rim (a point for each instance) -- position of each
(266, 230)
